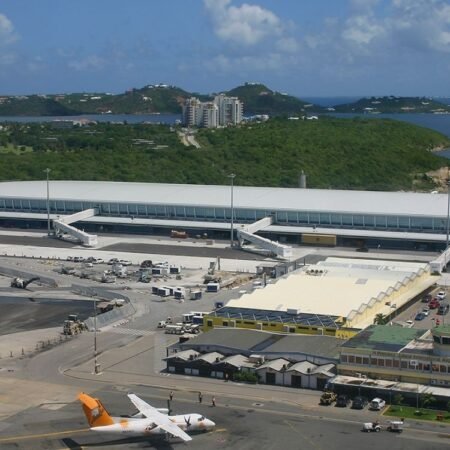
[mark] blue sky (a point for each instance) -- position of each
(303, 47)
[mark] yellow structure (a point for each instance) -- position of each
(336, 297)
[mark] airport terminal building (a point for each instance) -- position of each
(358, 218)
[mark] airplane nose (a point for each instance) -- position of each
(211, 424)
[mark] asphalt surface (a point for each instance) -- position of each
(43, 241)
(24, 314)
(240, 424)
(181, 250)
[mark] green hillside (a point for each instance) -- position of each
(148, 100)
(334, 153)
(259, 99)
(34, 105)
(393, 104)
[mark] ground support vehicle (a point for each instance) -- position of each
(73, 325)
(395, 426)
(371, 426)
(327, 398)
(20, 283)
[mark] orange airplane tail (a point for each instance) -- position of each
(94, 410)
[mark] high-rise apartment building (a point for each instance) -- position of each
(222, 111)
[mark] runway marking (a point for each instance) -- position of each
(43, 435)
(312, 443)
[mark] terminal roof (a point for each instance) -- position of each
(266, 198)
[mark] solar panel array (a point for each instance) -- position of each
(262, 315)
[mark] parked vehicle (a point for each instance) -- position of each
(426, 310)
(377, 404)
(359, 402)
(420, 316)
(441, 295)
(78, 259)
(343, 401)
(443, 308)
(125, 262)
(427, 298)
(174, 329)
(146, 263)
(113, 261)
(434, 304)
(162, 324)
(371, 426)
(95, 260)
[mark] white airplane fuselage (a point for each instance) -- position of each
(139, 426)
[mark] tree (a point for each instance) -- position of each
(427, 400)
(398, 399)
(380, 319)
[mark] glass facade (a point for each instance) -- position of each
(243, 215)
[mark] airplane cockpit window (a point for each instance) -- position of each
(201, 419)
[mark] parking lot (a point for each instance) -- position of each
(423, 315)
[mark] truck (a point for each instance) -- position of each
(327, 398)
(73, 325)
(174, 329)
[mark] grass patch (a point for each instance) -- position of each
(409, 412)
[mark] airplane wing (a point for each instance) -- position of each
(158, 418)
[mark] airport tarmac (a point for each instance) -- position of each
(240, 424)
(38, 409)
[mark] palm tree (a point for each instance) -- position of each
(380, 319)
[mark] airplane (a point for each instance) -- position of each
(147, 421)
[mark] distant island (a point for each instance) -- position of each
(163, 98)
(392, 104)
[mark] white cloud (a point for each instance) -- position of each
(288, 45)
(362, 30)
(266, 62)
(7, 34)
(90, 62)
(244, 25)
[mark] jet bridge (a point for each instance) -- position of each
(62, 226)
(247, 234)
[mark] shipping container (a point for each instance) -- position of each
(163, 292)
(213, 287)
(196, 295)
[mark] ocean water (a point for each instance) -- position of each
(438, 122)
(113, 118)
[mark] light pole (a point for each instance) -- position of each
(47, 171)
(96, 365)
(448, 221)
(231, 177)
